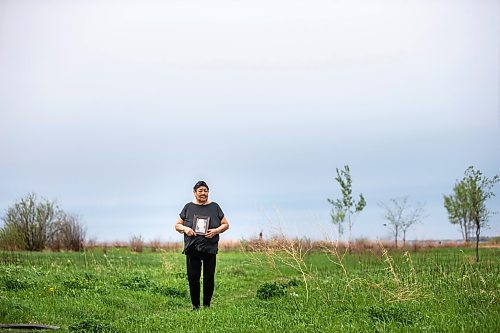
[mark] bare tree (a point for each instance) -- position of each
(401, 216)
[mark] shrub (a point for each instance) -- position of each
(293, 282)
(11, 239)
(155, 245)
(270, 289)
(494, 240)
(69, 235)
(33, 220)
(136, 281)
(34, 223)
(136, 244)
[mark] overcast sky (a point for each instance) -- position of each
(116, 108)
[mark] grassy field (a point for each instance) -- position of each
(118, 291)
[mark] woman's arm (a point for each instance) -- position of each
(224, 225)
(181, 228)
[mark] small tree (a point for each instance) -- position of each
(478, 190)
(337, 215)
(458, 212)
(346, 207)
(467, 205)
(401, 215)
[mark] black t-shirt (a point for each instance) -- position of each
(200, 243)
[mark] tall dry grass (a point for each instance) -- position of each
(276, 243)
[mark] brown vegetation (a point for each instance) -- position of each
(276, 243)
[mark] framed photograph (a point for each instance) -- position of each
(201, 224)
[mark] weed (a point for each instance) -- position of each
(290, 253)
(78, 282)
(398, 287)
(236, 271)
(270, 289)
(136, 281)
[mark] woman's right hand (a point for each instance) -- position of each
(188, 231)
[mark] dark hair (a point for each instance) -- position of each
(200, 184)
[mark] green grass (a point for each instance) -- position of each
(438, 290)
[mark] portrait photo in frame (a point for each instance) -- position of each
(200, 224)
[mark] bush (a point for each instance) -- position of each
(136, 244)
(136, 281)
(270, 289)
(69, 235)
(494, 240)
(11, 240)
(155, 245)
(33, 220)
(34, 223)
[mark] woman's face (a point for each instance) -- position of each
(201, 194)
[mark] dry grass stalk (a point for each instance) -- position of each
(288, 252)
(337, 257)
(400, 288)
(155, 245)
(136, 244)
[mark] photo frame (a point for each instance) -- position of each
(200, 224)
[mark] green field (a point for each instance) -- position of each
(434, 290)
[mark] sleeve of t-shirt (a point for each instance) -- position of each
(183, 213)
(220, 214)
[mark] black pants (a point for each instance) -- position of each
(193, 263)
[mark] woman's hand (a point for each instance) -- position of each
(211, 233)
(188, 231)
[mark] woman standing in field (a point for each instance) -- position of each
(201, 222)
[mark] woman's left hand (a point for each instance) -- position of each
(211, 233)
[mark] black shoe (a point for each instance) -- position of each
(196, 308)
